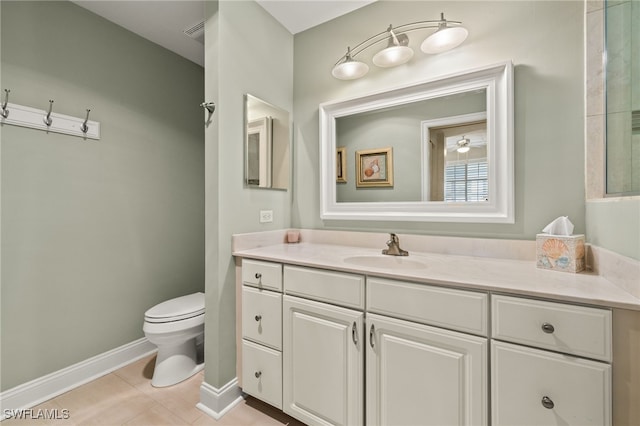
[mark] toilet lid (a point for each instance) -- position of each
(176, 309)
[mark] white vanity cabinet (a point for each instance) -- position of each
(336, 348)
(262, 330)
(418, 374)
(323, 346)
(540, 371)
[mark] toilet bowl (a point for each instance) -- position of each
(176, 327)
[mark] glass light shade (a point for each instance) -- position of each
(393, 56)
(446, 38)
(350, 70)
(463, 149)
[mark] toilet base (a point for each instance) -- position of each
(175, 364)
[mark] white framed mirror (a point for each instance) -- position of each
(446, 146)
(267, 145)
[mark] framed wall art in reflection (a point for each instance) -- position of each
(341, 164)
(374, 168)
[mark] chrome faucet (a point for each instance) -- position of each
(394, 247)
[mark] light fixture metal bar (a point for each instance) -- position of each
(439, 21)
(350, 52)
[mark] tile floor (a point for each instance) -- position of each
(126, 397)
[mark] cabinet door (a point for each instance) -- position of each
(322, 363)
(542, 388)
(422, 375)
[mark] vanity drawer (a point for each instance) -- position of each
(443, 307)
(325, 286)
(535, 387)
(262, 274)
(576, 330)
(262, 316)
(262, 373)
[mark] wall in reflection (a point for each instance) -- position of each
(416, 176)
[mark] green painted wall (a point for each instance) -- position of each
(247, 51)
(94, 232)
(614, 224)
(545, 42)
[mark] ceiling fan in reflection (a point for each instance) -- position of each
(465, 144)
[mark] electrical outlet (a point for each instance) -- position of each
(266, 216)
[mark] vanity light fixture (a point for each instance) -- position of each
(349, 69)
(396, 53)
(449, 34)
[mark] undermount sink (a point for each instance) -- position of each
(385, 261)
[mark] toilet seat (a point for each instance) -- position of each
(180, 308)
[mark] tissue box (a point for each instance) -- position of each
(560, 252)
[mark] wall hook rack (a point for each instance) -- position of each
(5, 111)
(209, 106)
(84, 126)
(48, 120)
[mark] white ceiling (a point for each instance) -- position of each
(163, 21)
(299, 15)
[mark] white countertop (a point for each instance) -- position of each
(518, 277)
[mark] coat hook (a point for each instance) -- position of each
(209, 106)
(47, 119)
(5, 111)
(84, 126)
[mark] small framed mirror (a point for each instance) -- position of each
(267, 145)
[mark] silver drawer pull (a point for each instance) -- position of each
(372, 332)
(354, 333)
(259, 373)
(258, 275)
(258, 318)
(548, 328)
(547, 402)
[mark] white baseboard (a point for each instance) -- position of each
(217, 402)
(46, 387)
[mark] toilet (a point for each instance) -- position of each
(176, 327)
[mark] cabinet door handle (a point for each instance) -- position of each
(258, 318)
(258, 275)
(548, 328)
(354, 333)
(547, 402)
(258, 374)
(372, 332)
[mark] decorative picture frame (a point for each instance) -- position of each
(374, 168)
(341, 164)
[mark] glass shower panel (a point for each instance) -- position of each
(623, 97)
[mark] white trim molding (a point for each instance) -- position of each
(46, 387)
(217, 402)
